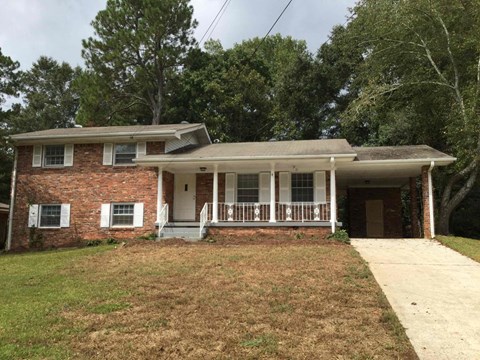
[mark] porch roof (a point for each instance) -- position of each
(272, 150)
(407, 153)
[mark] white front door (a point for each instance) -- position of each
(184, 197)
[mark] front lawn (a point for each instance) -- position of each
(294, 299)
(465, 246)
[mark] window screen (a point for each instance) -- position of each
(54, 155)
(302, 187)
(125, 153)
(122, 214)
(247, 188)
(50, 215)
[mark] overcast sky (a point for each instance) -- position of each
(31, 28)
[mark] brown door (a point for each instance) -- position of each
(374, 211)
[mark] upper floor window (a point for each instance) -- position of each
(302, 187)
(125, 153)
(50, 215)
(54, 155)
(247, 188)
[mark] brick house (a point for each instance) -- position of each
(127, 181)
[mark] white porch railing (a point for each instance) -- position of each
(204, 217)
(162, 218)
(252, 212)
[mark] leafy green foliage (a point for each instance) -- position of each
(138, 47)
(340, 235)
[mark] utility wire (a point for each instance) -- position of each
(271, 28)
(218, 21)
(211, 24)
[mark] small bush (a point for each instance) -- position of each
(340, 235)
(93, 242)
(111, 241)
(299, 235)
(151, 236)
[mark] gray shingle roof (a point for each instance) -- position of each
(410, 152)
(270, 149)
(92, 132)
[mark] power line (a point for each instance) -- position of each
(211, 24)
(218, 21)
(271, 28)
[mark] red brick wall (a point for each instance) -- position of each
(85, 186)
(392, 211)
(427, 231)
(321, 232)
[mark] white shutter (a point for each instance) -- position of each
(68, 161)
(105, 216)
(138, 215)
(141, 149)
(285, 191)
(230, 187)
(320, 194)
(107, 154)
(264, 185)
(33, 216)
(37, 156)
(65, 216)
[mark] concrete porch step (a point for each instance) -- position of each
(190, 231)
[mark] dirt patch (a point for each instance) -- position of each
(276, 298)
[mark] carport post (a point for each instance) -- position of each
(215, 194)
(333, 195)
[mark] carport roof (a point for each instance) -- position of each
(409, 152)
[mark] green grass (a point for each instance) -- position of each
(465, 246)
(36, 288)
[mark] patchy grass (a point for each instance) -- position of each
(289, 300)
(465, 246)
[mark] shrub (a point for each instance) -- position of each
(151, 236)
(93, 242)
(340, 235)
(111, 241)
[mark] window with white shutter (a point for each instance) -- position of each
(284, 187)
(37, 156)
(107, 154)
(320, 187)
(264, 196)
(230, 188)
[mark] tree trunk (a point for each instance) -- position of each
(449, 203)
(158, 98)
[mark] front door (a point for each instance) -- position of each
(374, 211)
(184, 197)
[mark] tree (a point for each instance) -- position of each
(422, 71)
(50, 98)
(138, 47)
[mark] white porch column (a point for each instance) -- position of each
(430, 200)
(333, 195)
(272, 194)
(159, 192)
(215, 194)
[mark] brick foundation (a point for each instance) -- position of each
(321, 232)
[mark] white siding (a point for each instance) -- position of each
(107, 154)
(185, 140)
(37, 156)
(264, 188)
(285, 192)
(320, 184)
(68, 160)
(230, 187)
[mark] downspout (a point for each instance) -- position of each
(333, 195)
(430, 200)
(12, 202)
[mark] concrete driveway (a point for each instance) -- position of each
(435, 292)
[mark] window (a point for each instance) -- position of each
(247, 188)
(302, 187)
(54, 155)
(50, 215)
(125, 153)
(122, 214)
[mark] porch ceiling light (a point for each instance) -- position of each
(203, 169)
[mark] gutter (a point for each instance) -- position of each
(430, 200)
(448, 160)
(12, 202)
(243, 158)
